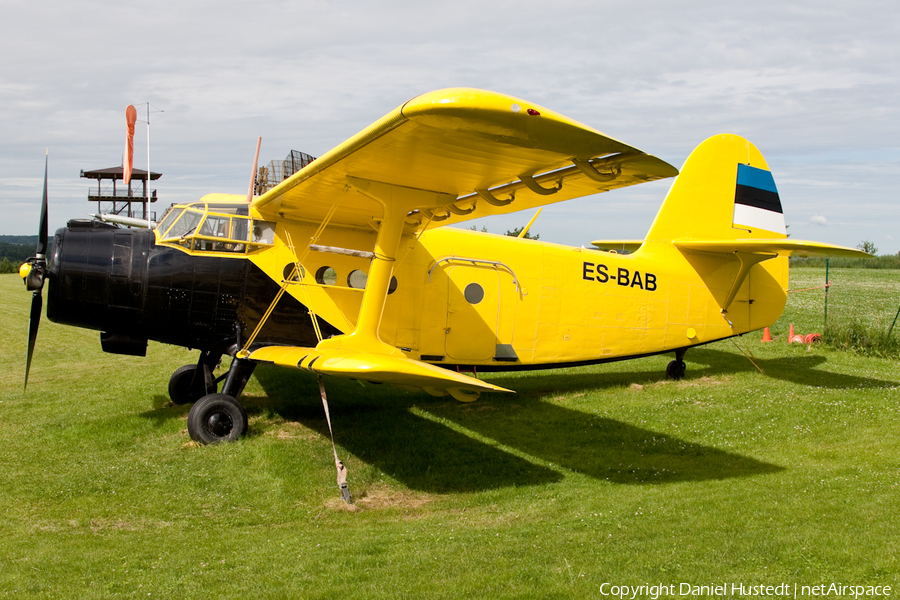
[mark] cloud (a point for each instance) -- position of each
(818, 220)
(808, 83)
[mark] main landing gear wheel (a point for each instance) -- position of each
(182, 389)
(675, 370)
(217, 418)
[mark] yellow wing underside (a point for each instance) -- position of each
(375, 368)
(477, 149)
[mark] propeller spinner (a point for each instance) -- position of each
(34, 273)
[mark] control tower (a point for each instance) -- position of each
(113, 197)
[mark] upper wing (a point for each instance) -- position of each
(475, 150)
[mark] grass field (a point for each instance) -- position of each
(605, 474)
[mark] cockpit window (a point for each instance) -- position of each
(230, 209)
(185, 225)
(168, 219)
(213, 228)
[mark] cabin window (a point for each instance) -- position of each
(474, 293)
(263, 232)
(241, 229)
(357, 279)
(326, 276)
(393, 286)
(289, 268)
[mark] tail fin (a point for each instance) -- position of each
(724, 208)
(725, 191)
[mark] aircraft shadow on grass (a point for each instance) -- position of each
(380, 428)
(703, 362)
(803, 370)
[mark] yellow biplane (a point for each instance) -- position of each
(347, 267)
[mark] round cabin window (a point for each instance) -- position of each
(474, 293)
(298, 275)
(357, 279)
(326, 276)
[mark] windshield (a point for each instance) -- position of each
(168, 219)
(186, 224)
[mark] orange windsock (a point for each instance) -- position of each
(130, 118)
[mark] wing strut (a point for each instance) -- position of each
(245, 351)
(361, 354)
(747, 261)
(397, 201)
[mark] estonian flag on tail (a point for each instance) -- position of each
(756, 201)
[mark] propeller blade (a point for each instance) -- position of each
(37, 303)
(40, 250)
(35, 278)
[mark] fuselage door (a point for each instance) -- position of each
(473, 306)
(481, 311)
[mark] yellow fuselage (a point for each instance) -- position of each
(464, 297)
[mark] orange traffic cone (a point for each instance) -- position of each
(767, 337)
(791, 334)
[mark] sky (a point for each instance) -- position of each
(814, 85)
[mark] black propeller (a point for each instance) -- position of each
(35, 271)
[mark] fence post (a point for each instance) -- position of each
(891, 328)
(827, 285)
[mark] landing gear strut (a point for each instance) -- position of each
(676, 368)
(219, 417)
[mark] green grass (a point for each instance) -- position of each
(590, 475)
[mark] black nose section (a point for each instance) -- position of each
(97, 274)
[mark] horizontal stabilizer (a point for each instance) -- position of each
(780, 247)
(369, 366)
(618, 245)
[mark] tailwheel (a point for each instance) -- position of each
(217, 418)
(675, 369)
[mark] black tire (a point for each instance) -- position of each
(217, 418)
(676, 369)
(181, 388)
